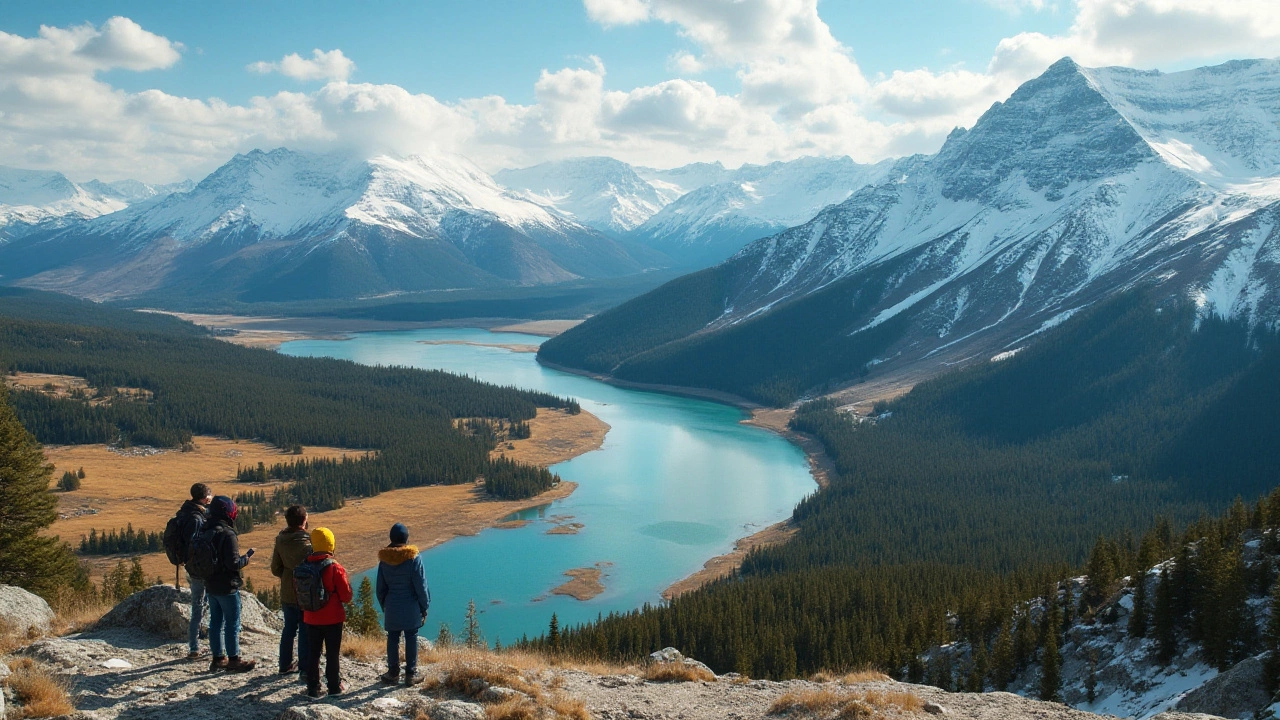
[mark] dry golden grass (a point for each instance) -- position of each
(514, 709)
(365, 648)
(864, 676)
(74, 612)
(677, 672)
(847, 706)
(458, 669)
(11, 639)
(39, 692)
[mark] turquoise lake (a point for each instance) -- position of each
(676, 482)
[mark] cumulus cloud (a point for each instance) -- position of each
(332, 65)
(801, 92)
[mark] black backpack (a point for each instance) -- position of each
(177, 540)
(308, 585)
(203, 561)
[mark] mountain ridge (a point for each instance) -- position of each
(1051, 201)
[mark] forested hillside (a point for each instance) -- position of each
(981, 486)
(404, 417)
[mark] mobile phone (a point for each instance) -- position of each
(249, 554)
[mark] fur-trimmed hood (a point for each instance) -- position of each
(396, 554)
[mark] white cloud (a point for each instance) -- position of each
(801, 92)
(332, 65)
(617, 12)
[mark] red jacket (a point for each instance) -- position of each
(339, 587)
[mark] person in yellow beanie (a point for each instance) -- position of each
(321, 587)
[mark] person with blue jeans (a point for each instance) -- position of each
(222, 587)
(293, 545)
(404, 598)
(192, 517)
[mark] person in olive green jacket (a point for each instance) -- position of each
(293, 545)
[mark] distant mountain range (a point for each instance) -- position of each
(286, 225)
(1084, 183)
(32, 197)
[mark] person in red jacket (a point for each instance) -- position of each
(324, 626)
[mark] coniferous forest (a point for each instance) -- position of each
(982, 487)
(402, 421)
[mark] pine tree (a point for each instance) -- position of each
(137, 578)
(1051, 669)
(1003, 663)
(363, 619)
(27, 558)
(445, 637)
(473, 638)
(553, 634)
(978, 673)
(1271, 669)
(1163, 620)
(1101, 570)
(1138, 618)
(1024, 641)
(1068, 606)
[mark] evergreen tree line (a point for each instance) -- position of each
(405, 416)
(981, 488)
(127, 540)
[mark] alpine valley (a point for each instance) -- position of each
(1084, 183)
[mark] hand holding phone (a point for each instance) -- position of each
(249, 554)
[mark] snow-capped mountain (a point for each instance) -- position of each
(599, 192)
(727, 209)
(1083, 183)
(30, 197)
(287, 225)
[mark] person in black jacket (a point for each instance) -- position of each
(223, 587)
(192, 516)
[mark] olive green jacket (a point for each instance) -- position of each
(292, 548)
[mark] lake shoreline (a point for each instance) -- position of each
(775, 420)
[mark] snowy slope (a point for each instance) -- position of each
(285, 224)
(29, 197)
(727, 209)
(1085, 182)
(600, 192)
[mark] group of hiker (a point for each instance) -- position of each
(313, 591)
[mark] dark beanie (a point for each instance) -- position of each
(223, 506)
(399, 534)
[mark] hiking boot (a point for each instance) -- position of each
(236, 665)
(390, 677)
(194, 655)
(313, 692)
(410, 677)
(293, 668)
(342, 687)
(218, 663)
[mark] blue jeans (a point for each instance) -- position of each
(410, 650)
(224, 619)
(197, 613)
(292, 629)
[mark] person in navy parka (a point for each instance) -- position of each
(404, 599)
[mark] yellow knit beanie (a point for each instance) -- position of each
(322, 540)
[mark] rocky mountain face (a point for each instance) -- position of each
(31, 197)
(133, 664)
(1083, 183)
(284, 225)
(1125, 672)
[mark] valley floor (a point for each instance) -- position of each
(146, 486)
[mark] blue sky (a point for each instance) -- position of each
(455, 50)
(165, 90)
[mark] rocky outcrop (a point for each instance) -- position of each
(166, 611)
(1234, 693)
(22, 612)
(672, 656)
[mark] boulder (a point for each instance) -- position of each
(4, 675)
(452, 710)
(673, 656)
(166, 611)
(934, 708)
(24, 613)
(317, 712)
(1234, 693)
